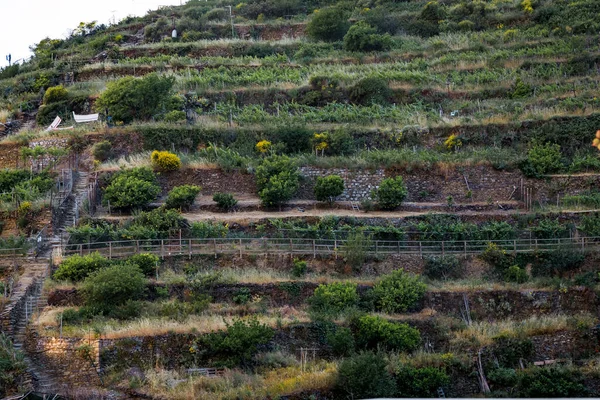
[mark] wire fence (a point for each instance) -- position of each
(313, 247)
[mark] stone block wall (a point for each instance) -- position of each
(358, 183)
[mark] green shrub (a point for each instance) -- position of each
(551, 382)
(208, 229)
(182, 197)
(375, 332)
(509, 350)
(299, 269)
(238, 344)
(277, 180)
(355, 249)
(334, 297)
(503, 377)
(76, 268)
(444, 268)
(341, 341)
(542, 159)
(328, 188)
(363, 37)
(174, 116)
(516, 274)
(557, 262)
(12, 366)
(419, 382)
(225, 201)
(328, 24)
(113, 286)
(55, 94)
(130, 98)
(371, 90)
(590, 225)
(159, 219)
(390, 193)
(498, 258)
(132, 188)
(146, 262)
(365, 376)
(398, 291)
(550, 229)
(165, 161)
(102, 151)
(243, 296)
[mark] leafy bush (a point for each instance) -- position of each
(145, 261)
(165, 161)
(419, 382)
(557, 262)
(299, 269)
(182, 197)
(551, 382)
(398, 291)
(102, 151)
(159, 220)
(542, 159)
(334, 297)
(55, 94)
(76, 268)
(497, 257)
(242, 296)
(590, 225)
(444, 267)
(373, 332)
(12, 366)
(328, 24)
(503, 377)
(550, 229)
(277, 180)
(208, 229)
(132, 188)
(113, 286)
(370, 91)
(341, 341)
(516, 274)
(365, 376)
(238, 344)
(328, 188)
(225, 201)
(130, 98)
(509, 350)
(174, 116)
(390, 193)
(355, 248)
(363, 37)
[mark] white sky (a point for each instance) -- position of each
(26, 22)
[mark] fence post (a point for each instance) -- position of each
(443, 251)
(536, 244)
(190, 248)
(110, 250)
(81, 250)
(335, 248)
(162, 249)
(583, 244)
(465, 243)
(215, 246)
(376, 247)
(314, 249)
(398, 245)
(137, 246)
(420, 249)
(515, 246)
(240, 247)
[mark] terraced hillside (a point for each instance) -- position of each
(309, 199)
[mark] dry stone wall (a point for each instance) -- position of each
(358, 184)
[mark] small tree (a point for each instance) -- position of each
(542, 159)
(390, 193)
(277, 180)
(328, 188)
(374, 332)
(328, 24)
(76, 267)
(225, 201)
(132, 188)
(334, 297)
(365, 376)
(420, 382)
(113, 286)
(398, 291)
(355, 249)
(363, 37)
(182, 197)
(165, 161)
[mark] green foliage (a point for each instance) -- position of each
(238, 344)
(516, 274)
(133, 188)
(363, 37)
(371, 91)
(113, 286)
(208, 229)
(182, 197)
(355, 249)
(334, 298)
(503, 377)
(374, 331)
(55, 94)
(328, 188)
(165, 161)
(521, 89)
(542, 159)
(420, 382)
(130, 98)
(551, 382)
(174, 116)
(398, 291)
(76, 268)
(145, 261)
(12, 366)
(341, 341)
(242, 296)
(299, 268)
(159, 220)
(444, 268)
(550, 229)
(102, 151)
(557, 262)
(225, 201)
(509, 350)
(590, 225)
(390, 193)
(277, 180)
(365, 376)
(328, 24)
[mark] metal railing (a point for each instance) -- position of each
(314, 247)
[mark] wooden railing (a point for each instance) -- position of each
(313, 247)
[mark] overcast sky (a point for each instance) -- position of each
(26, 22)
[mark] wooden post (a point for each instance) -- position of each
(420, 249)
(583, 244)
(515, 247)
(314, 249)
(190, 248)
(215, 246)
(162, 249)
(109, 250)
(465, 243)
(536, 244)
(335, 248)
(80, 249)
(240, 243)
(376, 247)
(443, 251)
